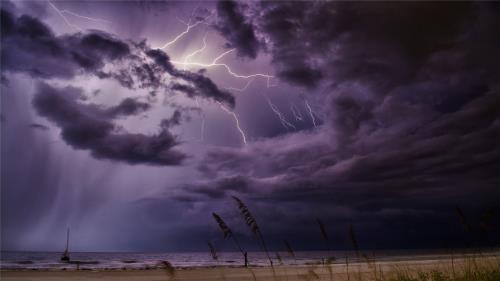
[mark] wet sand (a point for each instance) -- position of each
(282, 273)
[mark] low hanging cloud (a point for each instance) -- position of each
(90, 127)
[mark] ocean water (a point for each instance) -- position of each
(119, 260)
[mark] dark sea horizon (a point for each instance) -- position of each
(141, 260)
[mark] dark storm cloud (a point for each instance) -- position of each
(161, 59)
(375, 42)
(90, 127)
(93, 49)
(128, 106)
(412, 183)
(301, 74)
(410, 129)
(231, 25)
(218, 189)
(146, 75)
(380, 60)
(174, 120)
(201, 85)
(29, 46)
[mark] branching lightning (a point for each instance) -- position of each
(311, 114)
(241, 89)
(64, 11)
(280, 115)
(215, 63)
(60, 13)
(189, 56)
(237, 121)
(187, 62)
(189, 26)
(180, 35)
(296, 113)
(84, 17)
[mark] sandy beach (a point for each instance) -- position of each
(288, 273)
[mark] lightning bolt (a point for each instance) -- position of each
(237, 121)
(241, 89)
(296, 113)
(189, 26)
(84, 17)
(187, 62)
(215, 63)
(280, 115)
(64, 18)
(311, 114)
(186, 58)
(64, 11)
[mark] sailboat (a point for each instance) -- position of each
(65, 255)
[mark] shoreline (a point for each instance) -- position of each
(394, 260)
(337, 271)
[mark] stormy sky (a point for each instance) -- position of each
(131, 122)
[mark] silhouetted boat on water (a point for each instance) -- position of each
(65, 255)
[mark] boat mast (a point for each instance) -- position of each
(67, 240)
(65, 255)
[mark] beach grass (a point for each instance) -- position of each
(470, 266)
(470, 269)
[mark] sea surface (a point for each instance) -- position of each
(120, 260)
